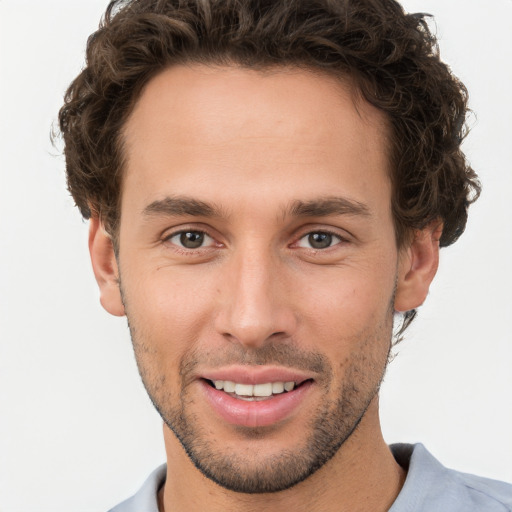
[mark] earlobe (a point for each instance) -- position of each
(417, 267)
(105, 269)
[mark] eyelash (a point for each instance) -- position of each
(192, 250)
(187, 250)
(333, 234)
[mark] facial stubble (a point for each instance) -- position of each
(330, 425)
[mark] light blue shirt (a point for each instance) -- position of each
(429, 487)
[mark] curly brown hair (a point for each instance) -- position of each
(391, 56)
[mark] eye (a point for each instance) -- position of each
(190, 239)
(319, 240)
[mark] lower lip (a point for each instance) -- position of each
(261, 413)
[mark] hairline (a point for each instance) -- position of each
(342, 78)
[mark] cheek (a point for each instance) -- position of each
(169, 307)
(347, 300)
(349, 319)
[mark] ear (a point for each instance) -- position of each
(417, 267)
(105, 269)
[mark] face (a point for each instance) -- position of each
(258, 266)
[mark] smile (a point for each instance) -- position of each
(253, 392)
(269, 400)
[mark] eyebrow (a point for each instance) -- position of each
(328, 206)
(186, 206)
(181, 206)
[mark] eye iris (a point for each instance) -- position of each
(191, 239)
(320, 240)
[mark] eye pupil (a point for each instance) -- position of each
(191, 239)
(320, 240)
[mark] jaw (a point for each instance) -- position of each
(363, 462)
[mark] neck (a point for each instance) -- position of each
(362, 476)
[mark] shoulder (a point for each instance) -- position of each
(146, 497)
(430, 486)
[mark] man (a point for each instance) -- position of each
(268, 185)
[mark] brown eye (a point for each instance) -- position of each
(320, 240)
(190, 239)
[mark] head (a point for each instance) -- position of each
(267, 183)
(391, 58)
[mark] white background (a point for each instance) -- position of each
(77, 431)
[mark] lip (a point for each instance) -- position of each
(256, 374)
(260, 413)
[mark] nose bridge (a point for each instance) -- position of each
(254, 307)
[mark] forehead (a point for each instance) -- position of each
(193, 98)
(293, 131)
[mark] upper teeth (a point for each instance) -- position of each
(267, 389)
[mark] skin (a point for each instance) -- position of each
(257, 148)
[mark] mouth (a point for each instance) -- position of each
(255, 392)
(257, 398)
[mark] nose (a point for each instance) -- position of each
(256, 304)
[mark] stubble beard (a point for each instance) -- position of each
(330, 427)
(333, 422)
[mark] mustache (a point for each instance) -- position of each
(278, 353)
